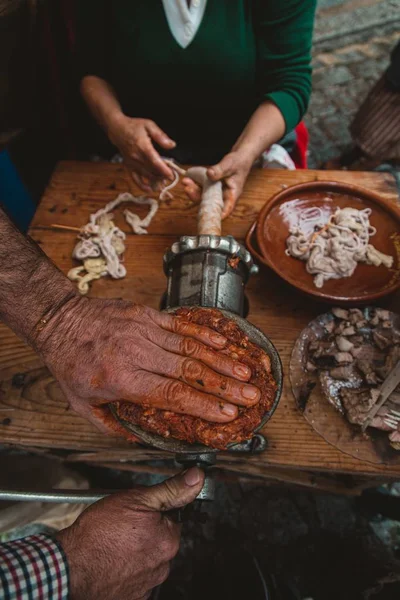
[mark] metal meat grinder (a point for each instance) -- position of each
(211, 272)
(206, 271)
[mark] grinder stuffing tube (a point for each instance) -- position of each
(212, 202)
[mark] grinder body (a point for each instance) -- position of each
(211, 272)
(208, 271)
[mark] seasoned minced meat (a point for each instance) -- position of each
(193, 429)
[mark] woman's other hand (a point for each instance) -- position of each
(233, 171)
(135, 140)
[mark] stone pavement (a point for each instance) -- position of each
(352, 44)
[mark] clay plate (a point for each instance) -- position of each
(368, 283)
(373, 446)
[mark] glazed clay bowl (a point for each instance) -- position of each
(280, 213)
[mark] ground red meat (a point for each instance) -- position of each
(193, 429)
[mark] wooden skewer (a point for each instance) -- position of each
(67, 227)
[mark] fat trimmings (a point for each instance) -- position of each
(334, 248)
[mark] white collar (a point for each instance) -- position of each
(184, 22)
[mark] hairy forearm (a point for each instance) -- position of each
(31, 286)
(265, 127)
(102, 101)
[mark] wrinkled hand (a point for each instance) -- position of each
(101, 351)
(121, 547)
(134, 138)
(233, 171)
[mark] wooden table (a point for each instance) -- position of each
(33, 413)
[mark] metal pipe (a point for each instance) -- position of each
(56, 496)
(179, 515)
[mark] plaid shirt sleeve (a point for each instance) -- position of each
(33, 568)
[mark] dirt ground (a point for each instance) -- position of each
(352, 44)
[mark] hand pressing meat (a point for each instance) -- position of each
(121, 547)
(193, 429)
(101, 351)
(106, 350)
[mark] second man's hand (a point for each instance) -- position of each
(121, 547)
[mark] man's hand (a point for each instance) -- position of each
(134, 138)
(233, 171)
(121, 547)
(101, 351)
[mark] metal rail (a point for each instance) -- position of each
(56, 496)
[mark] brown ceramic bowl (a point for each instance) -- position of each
(368, 283)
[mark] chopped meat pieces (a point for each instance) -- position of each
(341, 372)
(365, 366)
(356, 351)
(340, 313)
(343, 358)
(382, 314)
(356, 339)
(343, 344)
(382, 340)
(372, 379)
(358, 403)
(361, 349)
(311, 367)
(340, 328)
(356, 315)
(347, 331)
(323, 348)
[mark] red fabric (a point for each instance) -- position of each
(299, 154)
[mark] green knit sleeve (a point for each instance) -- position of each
(93, 28)
(284, 37)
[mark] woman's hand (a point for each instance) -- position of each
(101, 351)
(233, 171)
(264, 128)
(134, 138)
